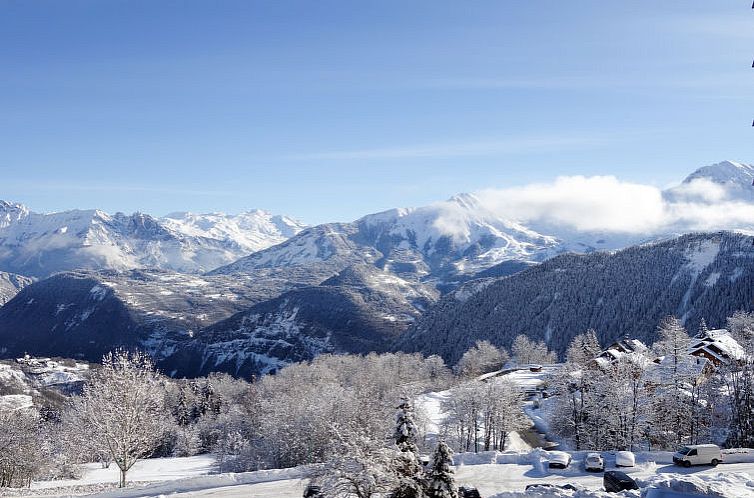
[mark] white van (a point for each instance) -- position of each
(698, 454)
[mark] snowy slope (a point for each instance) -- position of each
(39, 381)
(38, 244)
(361, 309)
(252, 231)
(10, 284)
(85, 314)
(436, 243)
(734, 180)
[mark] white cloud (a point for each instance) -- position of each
(605, 203)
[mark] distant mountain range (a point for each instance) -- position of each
(38, 245)
(250, 293)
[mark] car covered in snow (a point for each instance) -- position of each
(547, 485)
(559, 460)
(698, 454)
(625, 459)
(313, 491)
(616, 481)
(594, 463)
(468, 492)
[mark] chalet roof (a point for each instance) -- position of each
(627, 345)
(691, 367)
(718, 343)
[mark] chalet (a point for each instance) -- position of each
(620, 348)
(717, 346)
(694, 369)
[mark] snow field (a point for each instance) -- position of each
(495, 474)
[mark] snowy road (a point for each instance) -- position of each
(291, 488)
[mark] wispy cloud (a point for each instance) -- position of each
(469, 148)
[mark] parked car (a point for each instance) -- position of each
(625, 459)
(616, 481)
(594, 462)
(698, 454)
(559, 460)
(569, 486)
(312, 491)
(468, 492)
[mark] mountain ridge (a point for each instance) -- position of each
(38, 244)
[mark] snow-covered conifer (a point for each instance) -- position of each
(526, 351)
(406, 432)
(442, 483)
(481, 358)
(583, 348)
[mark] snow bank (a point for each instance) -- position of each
(144, 471)
(555, 492)
(738, 455)
(491, 457)
(208, 482)
(720, 485)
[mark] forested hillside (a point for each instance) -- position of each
(623, 293)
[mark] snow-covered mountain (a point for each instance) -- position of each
(694, 276)
(84, 314)
(252, 231)
(10, 284)
(362, 309)
(727, 180)
(736, 177)
(439, 244)
(38, 244)
(342, 287)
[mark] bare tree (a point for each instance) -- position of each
(526, 351)
(481, 358)
(123, 405)
(359, 466)
(21, 452)
(740, 380)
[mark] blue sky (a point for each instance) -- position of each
(329, 110)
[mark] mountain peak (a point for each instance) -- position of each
(466, 201)
(12, 206)
(725, 172)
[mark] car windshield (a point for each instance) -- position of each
(684, 450)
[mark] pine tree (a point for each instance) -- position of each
(583, 348)
(407, 468)
(671, 410)
(703, 329)
(406, 431)
(442, 482)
